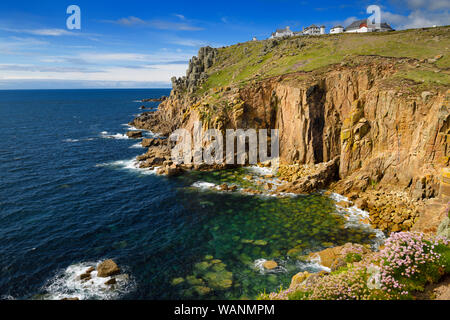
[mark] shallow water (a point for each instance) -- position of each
(70, 196)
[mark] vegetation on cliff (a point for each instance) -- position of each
(257, 60)
(404, 266)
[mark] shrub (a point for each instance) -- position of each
(409, 262)
(406, 264)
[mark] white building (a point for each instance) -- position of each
(280, 33)
(362, 26)
(322, 30)
(312, 30)
(337, 29)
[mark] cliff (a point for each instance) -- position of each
(378, 103)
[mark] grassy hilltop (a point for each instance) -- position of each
(256, 60)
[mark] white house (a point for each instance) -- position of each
(312, 30)
(280, 33)
(322, 30)
(337, 29)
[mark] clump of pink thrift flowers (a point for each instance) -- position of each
(407, 261)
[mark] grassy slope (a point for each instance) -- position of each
(247, 61)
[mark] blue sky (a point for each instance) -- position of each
(142, 44)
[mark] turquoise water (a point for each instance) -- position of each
(70, 197)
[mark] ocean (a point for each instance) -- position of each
(71, 196)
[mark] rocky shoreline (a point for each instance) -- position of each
(352, 128)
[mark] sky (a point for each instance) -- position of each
(142, 44)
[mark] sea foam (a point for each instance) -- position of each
(67, 284)
(131, 165)
(356, 219)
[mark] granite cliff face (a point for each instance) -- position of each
(386, 133)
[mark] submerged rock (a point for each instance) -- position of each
(177, 281)
(202, 291)
(270, 265)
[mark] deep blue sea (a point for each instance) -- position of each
(71, 197)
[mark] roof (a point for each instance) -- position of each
(356, 25)
(283, 30)
(339, 26)
(386, 26)
(287, 29)
(312, 27)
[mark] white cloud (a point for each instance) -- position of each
(45, 69)
(425, 5)
(349, 20)
(416, 19)
(130, 21)
(154, 58)
(147, 73)
(180, 16)
(188, 42)
(43, 32)
(157, 24)
(423, 13)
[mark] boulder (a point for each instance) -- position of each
(361, 203)
(268, 186)
(333, 258)
(270, 265)
(85, 277)
(90, 270)
(173, 171)
(299, 278)
(134, 134)
(151, 142)
(344, 204)
(111, 282)
(107, 268)
(444, 228)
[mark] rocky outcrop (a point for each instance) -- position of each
(306, 181)
(152, 142)
(155, 99)
(134, 134)
(336, 257)
(196, 73)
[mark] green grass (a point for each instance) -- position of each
(427, 77)
(241, 63)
